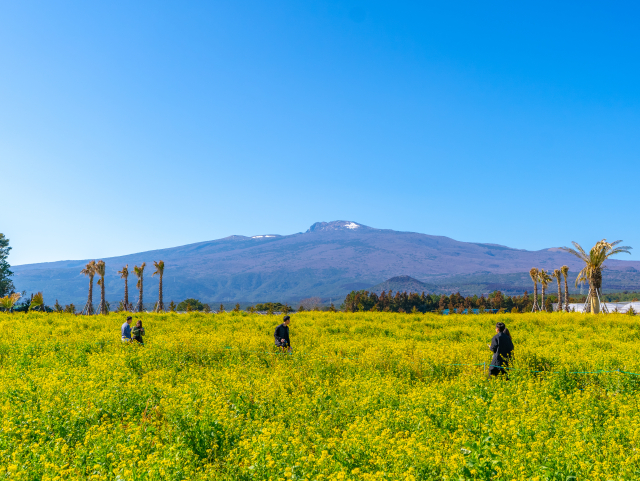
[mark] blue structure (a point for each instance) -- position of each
(473, 311)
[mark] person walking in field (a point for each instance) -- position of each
(126, 330)
(502, 348)
(281, 335)
(138, 332)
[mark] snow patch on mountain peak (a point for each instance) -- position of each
(336, 225)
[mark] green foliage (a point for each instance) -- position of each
(190, 304)
(6, 285)
(37, 302)
(172, 306)
(624, 296)
(364, 301)
(272, 307)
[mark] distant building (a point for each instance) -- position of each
(621, 307)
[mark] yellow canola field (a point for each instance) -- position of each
(363, 396)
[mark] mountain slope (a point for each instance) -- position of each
(328, 260)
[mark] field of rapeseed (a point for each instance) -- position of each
(364, 396)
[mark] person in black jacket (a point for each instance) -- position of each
(281, 335)
(502, 348)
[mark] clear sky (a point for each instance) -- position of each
(129, 126)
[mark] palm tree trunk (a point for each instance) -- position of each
(559, 296)
(542, 305)
(89, 307)
(90, 300)
(535, 297)
(160, 303)
(140, 305)
(103, 303)
(595, 302)
(566, 294)
(126, 294)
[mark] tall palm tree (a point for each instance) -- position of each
(544, 279)
(90, 271)
(557, 273)
(593, 266)
(534, 277)
(124, 274)
(139, 271)
(160, 272)
(565, 274)
(100, 270)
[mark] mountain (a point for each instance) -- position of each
(403, 284)
(328, 260)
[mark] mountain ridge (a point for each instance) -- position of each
(328, 260)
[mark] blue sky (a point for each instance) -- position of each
(129, 126)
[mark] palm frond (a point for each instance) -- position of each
(37, 301)
(582, 276)
(6, 302)
(578, 251)
(544, 278)
(159, 267)
(124, 273)
(619, 250)
(534, 274)
(90, 269)
(139, 270)
(100, 268)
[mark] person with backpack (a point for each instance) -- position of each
(281, 336)
(502, 348)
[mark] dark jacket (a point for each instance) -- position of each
(137, 334)
(502, 348)
(282, 332)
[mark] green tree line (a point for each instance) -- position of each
(414, 302)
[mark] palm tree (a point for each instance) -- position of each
(557, 273)
(159, 271)
(592, 270)
(544, 279)
(100, 270)
(89, 270)
(534, 277)
(124, 274)
(565, 273)
(139, 271)
(7, 302)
